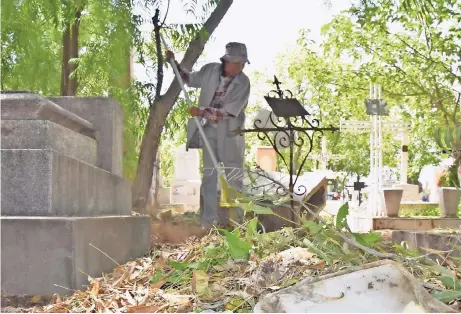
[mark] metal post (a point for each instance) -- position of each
(404, 157)
(380, 155)
(371, 194)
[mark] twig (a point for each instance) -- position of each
(65, 288)
(162, 307)
(105, 254)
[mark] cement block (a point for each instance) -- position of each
(39, 253)
(43, 134)
(107, 117)
(38, 182)
(446, 243)
(29, 106)
(415, 223)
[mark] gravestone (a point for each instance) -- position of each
(164, 192)
(311, 190)
(185, 185)
(266, 158)
(63, 199)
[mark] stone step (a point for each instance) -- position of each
(29, 106)
(44, 134)
(40, 182)
(415, 223)
(39, 254)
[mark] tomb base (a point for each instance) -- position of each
(41, 255)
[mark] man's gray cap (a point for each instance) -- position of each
(235, 52)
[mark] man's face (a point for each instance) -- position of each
(233, 69)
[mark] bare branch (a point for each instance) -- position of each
(158, 47)
(166, 14)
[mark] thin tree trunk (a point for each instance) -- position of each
(73, 82)
(159, 112)
(154, 203)
(65, 60)
(158, 88)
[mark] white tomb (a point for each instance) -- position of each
(185, 185)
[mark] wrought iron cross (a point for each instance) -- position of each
(358, 186)
(277, 83)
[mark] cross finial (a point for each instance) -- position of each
(278, 83)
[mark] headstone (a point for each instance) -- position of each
(185, 185)
(266, 158)
(311, 190)
(164, 192)
(60, 209)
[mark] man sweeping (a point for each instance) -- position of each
(224, 94)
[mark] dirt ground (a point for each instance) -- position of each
(170, 228)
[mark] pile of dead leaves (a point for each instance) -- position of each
(223, 271)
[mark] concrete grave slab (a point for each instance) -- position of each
(38, 182)
(107, 117)
(29, 106)
(379, 287)
(39, 253)
(445, 242)
(44, 134)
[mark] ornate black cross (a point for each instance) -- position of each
(358, 186)
(288, 126)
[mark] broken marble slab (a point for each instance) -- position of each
(379, 287)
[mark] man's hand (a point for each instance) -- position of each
(169, 55)
(194, 111)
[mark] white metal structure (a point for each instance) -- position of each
(375, 127)
(324, 156)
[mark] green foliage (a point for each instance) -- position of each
(405, 52)
(238, 248)
(32, 55)
(368, 239)
(450, 282)
(432, 211)
(447, 295)
(109, 32)
(255, 208)
(341, 217)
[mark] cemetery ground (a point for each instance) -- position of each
(188, 270)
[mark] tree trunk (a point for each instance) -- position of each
(159, 112)
(65, 60)
(154, 204)
(73, 82)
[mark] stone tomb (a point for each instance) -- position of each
(63, 198)
(185, 185)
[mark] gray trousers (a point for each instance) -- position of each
(209, 198)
